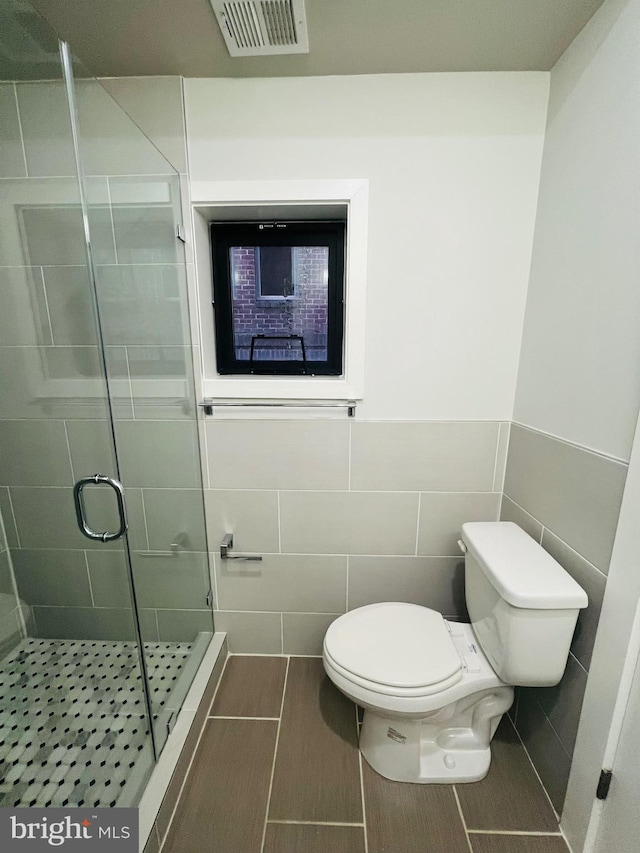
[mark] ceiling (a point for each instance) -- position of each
(151, 37)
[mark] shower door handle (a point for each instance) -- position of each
(78, 500)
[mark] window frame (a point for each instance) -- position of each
(224, 236)
(303, 199)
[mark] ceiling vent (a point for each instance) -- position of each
(262, 27)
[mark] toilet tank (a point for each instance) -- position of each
(523, 605)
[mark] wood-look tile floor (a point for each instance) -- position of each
(278, 770)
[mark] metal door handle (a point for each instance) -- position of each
(78, 500)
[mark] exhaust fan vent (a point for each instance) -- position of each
(262, 27)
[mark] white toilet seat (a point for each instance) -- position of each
(347, 650)
(396, 648)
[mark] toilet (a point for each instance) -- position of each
(433, 690)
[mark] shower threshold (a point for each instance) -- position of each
(73, 728)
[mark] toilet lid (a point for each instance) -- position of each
(394, 644)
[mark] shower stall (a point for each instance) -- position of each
(105, 595)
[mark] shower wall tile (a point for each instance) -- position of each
(111, 143)
(453, 456)
(348, 522)
(46, 517)
(303, 633)
(574, 492)
(23, 319)
(84, 623)
(442, 515)
(71, 310)
(10, 632)
(46, 128)
(156, 107)
(175, 516)
(6, 585)
(263, 454)
(139, 443)
(172, 582)
(6, 510)
(109, 579)
(53, 577)
(38, 454)
(54, 235)
(143, 304)
(311, 584)
(247, 632)
(90, 444)
(183, 626)
(12, 163)
(252, 517)
(145, 235)
(436, 582)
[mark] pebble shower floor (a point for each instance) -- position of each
(72, 718)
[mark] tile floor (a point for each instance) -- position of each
(73, 728)
(277, 770)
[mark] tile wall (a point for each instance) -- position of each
(11, 618)
(344, 513)
(567, 498)
(53, 417)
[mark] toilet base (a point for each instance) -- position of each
(451, 745)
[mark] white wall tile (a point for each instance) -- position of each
(264, 454)
(402, 456)
(348, 522)
(442, 515)
(315, 584)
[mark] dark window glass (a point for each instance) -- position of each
(278, 295)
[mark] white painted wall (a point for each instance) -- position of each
(579, 375)
(581, 345)
(453, 162)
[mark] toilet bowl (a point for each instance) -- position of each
(434, 690)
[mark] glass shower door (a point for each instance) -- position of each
(138, 264)
(74, 721)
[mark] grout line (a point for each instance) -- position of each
(546, 793)
(514, 832)
(224, 717)
(464, 823)
(24, 150)
(86, 560)
(282, 634)
(312, 823)
(193, 755)
(418, 523)
(364, 810)
(275, 755)
(46, 304)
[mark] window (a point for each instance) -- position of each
(279, 297)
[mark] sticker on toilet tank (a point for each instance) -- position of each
(397, 736)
